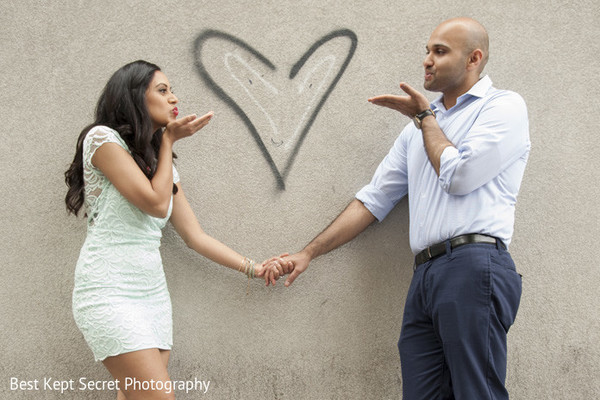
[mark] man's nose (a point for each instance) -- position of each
(427, 62)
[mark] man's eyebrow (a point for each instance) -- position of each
(438, 45)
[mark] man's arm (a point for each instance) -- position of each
(433, 137)
(498, 138)
(353, 220)
(435, 142)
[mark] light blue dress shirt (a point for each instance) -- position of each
(479, 177)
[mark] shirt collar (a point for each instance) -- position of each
(479, 89)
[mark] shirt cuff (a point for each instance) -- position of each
(375, 201)
(448, 161)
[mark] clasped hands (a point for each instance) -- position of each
(276, 267)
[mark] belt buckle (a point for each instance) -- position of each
(429, 256)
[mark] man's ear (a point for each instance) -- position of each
(475, 59)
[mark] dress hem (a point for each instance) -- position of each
(160, 347)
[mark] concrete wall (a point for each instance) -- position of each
(333, 334)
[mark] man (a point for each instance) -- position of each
(461, 164)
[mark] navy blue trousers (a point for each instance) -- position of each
(458, 311)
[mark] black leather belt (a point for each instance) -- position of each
(440, 248)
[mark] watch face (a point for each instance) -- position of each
(417, 119)
(417, 122)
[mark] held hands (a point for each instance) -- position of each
(409, 105)
(299, 263)
(186, 126)
(286, 264)
(273, 268)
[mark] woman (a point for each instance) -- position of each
(123, 176)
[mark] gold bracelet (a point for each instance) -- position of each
(242, 265)
(248, 268)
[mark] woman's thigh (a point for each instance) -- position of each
(142, 374)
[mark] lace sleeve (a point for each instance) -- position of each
(95, 138)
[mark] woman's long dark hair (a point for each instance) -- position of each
(122, 107)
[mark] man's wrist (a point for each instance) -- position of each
(428, 117)
(419, 117)
(309, 252)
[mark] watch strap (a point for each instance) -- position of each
(417, 119)
(425, 113)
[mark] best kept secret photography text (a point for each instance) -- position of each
(84, 384)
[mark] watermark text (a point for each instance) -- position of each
(83, 384)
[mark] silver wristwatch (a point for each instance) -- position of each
(417, 119)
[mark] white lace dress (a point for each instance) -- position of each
(120, 299)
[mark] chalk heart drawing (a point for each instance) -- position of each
(278, 109)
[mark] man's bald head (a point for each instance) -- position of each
(471, 33)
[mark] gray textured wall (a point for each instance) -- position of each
(333, 333)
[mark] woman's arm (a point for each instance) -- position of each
(187, 226)
(151, 196)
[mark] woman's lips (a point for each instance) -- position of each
(175, 111)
